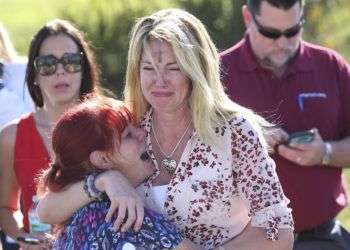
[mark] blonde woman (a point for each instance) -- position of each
(213, 175)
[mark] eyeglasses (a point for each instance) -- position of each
(275, 34)
(47, 65)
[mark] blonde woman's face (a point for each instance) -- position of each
(163, 84)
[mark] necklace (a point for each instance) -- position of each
(168, 163)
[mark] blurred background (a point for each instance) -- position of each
(107, 24)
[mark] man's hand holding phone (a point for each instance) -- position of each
(304, 148)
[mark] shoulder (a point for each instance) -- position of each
(235, 49)
(246, 121)
(15, 73)
(246, 129)
(322, 54)
(9, 130)
(236, 62)
(242, 125)
(17, 65)
(8, 135)
(232, 53)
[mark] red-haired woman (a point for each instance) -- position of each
(94, 136)
(61, 69)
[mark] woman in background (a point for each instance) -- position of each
(61, 69)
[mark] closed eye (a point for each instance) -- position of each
(175, 69)
(147, 68)
(126, 133)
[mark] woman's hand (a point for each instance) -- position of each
(45, 241)
(124, 200)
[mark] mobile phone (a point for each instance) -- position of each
(301, 137)
(29, 240)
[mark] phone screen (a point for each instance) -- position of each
(301, 137)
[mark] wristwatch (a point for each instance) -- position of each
(327, 157)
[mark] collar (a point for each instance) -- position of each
(248, 60)
(302, 59)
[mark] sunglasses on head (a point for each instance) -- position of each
(46, 65)
(275, 33)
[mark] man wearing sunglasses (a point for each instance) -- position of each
(299, 87)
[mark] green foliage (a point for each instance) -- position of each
(223, 19)
(23, 18)
(327, 24)
(108, 24)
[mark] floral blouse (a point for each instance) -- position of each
(216, 190)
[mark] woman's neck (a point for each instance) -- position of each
(171, 122)
(51, 113)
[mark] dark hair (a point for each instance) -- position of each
(254, 5)
(89, 126)
(90, 82)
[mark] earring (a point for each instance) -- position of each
(35, 83)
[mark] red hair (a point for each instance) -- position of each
(89, 126)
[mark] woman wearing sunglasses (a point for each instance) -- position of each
(61, 69)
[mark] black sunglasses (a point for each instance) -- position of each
(46, 65)
(275, 34)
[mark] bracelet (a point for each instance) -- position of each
(327, 157)
(90, 188)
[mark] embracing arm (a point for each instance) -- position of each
(57, 207)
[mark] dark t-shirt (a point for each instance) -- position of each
(313, 92)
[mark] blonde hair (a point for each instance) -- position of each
(7, 51)
(197, 57)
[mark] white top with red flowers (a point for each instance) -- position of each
(217, 189)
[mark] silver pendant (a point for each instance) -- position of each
(169, 164)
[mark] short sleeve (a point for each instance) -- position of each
(343, 69)
(257, 180)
